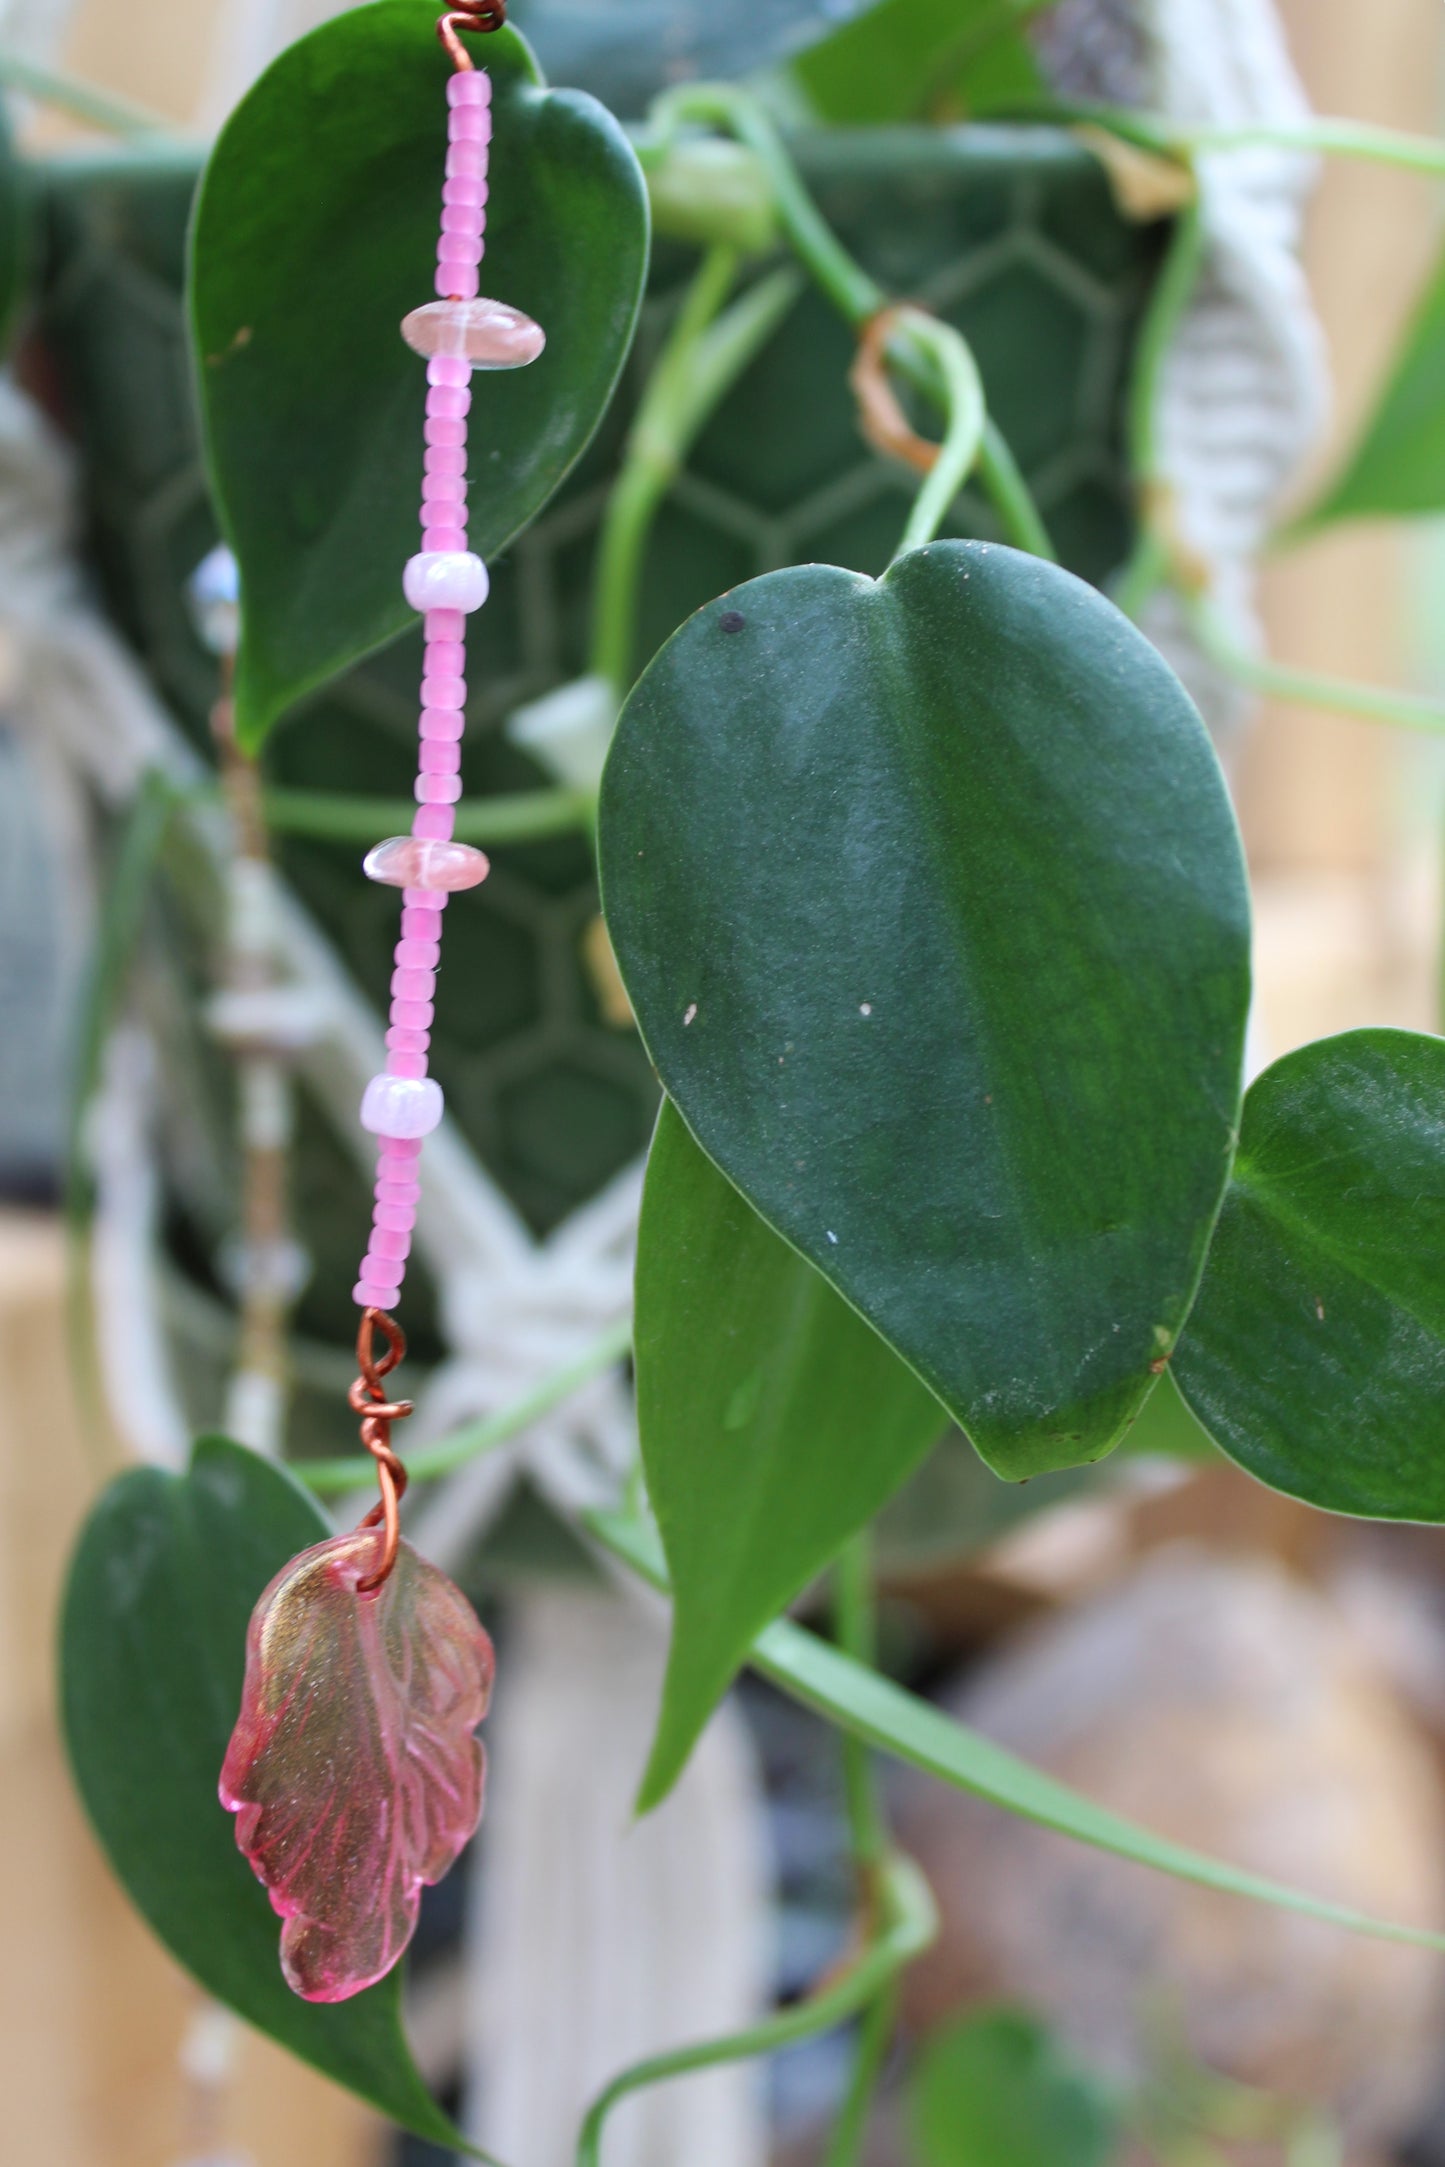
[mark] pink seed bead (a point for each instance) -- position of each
(367, 1295)
(458, 281)
(463, 218)
(440, 430)
(421, 863)
(438, 789)
(444, 489)
(413, 1015)
(439, 758)
(489, 334)
(445, 459)
(412, 1066)
(434, 823)
(459, 248)
(445, 658)
(413, 955)
(468, 158)
(398, 1192)
(413, 985)
(469, 124)
(441, 540)
(386, 1242)
(383, 1273)
(402, 1041)
(446, 723)
(449, 370)
(449, 402)
(396, 1173)
(468, 188)
(445, 624)
(394, 1218)
(469, 86)
(444, 692)
(421, 922)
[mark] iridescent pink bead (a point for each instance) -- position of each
(401, 1106)
(446, 579)
(410, 861)
(487, 333)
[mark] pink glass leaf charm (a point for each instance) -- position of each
(353, 1771)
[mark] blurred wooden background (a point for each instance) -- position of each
(1342, 824)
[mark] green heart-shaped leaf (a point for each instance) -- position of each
(1316, 1352)
(898, 59)
(996, 2089)
(1398, 465)
(929, 900)
(315, 233)
(774, 1424)
(153, 1646)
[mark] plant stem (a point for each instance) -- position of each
(1305, 688)
(963, 436)
(521, 816)
(1318, 136)
(1149, 564)
(870, 2054)
(331, 1477)
(908, 1923)
(1003, 479)
(704, 356)
(112, 115)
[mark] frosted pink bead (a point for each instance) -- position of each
(445, 624)
(437, 823)
(442, 722)
(410, 1065)
(439, 758)
(438, 789)
(469, 124)
(439, 430)
(467, 188)
(458, 281)
(401, 1106)
(449, 401)
(413, 985)
(418, 955)
(443, 541)
(443, 489)
(414, 862)
(401, 1040)
(445, 459)
(466, 218)
(445, 658)
(413, 1015)
(367, 1295)
(394, 1218)
(398, 1192)
(487, 333)
(460, 248)
(444, 692)
(421, 922)
(391, 1168)
(469, 86)
(445, 579)
(449, 369)
(377, 1265)
(468, 158)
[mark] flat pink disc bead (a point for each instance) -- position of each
(410, 861)
(487, 333)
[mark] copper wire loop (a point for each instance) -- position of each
(484, 15)
(377, 1415)
(880, 416)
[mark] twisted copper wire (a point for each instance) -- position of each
(377, 1415)
(481, 15)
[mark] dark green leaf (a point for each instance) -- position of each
(774, 1424)
(899, 59)
(1398, 466)
(929, 901)
(996, 2089)
(152, 1651)
(315, 233)
(1316, 1352)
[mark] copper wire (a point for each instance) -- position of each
(482, 15)
(377, 1415)
(880, 415)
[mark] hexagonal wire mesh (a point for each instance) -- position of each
(1008, 232)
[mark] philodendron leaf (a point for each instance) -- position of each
(1398, 466)
(995, 2088)
(153, 1648)
(899, 60)
(1316, 1352)
(315, 233)
(929, 901)
(774, 1424)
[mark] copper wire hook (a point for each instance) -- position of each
(481, 15)
(378, 1413)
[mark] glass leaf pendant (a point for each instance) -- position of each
(353, 1771)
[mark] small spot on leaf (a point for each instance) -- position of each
(731, 620)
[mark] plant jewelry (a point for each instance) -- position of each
(353, 1771)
